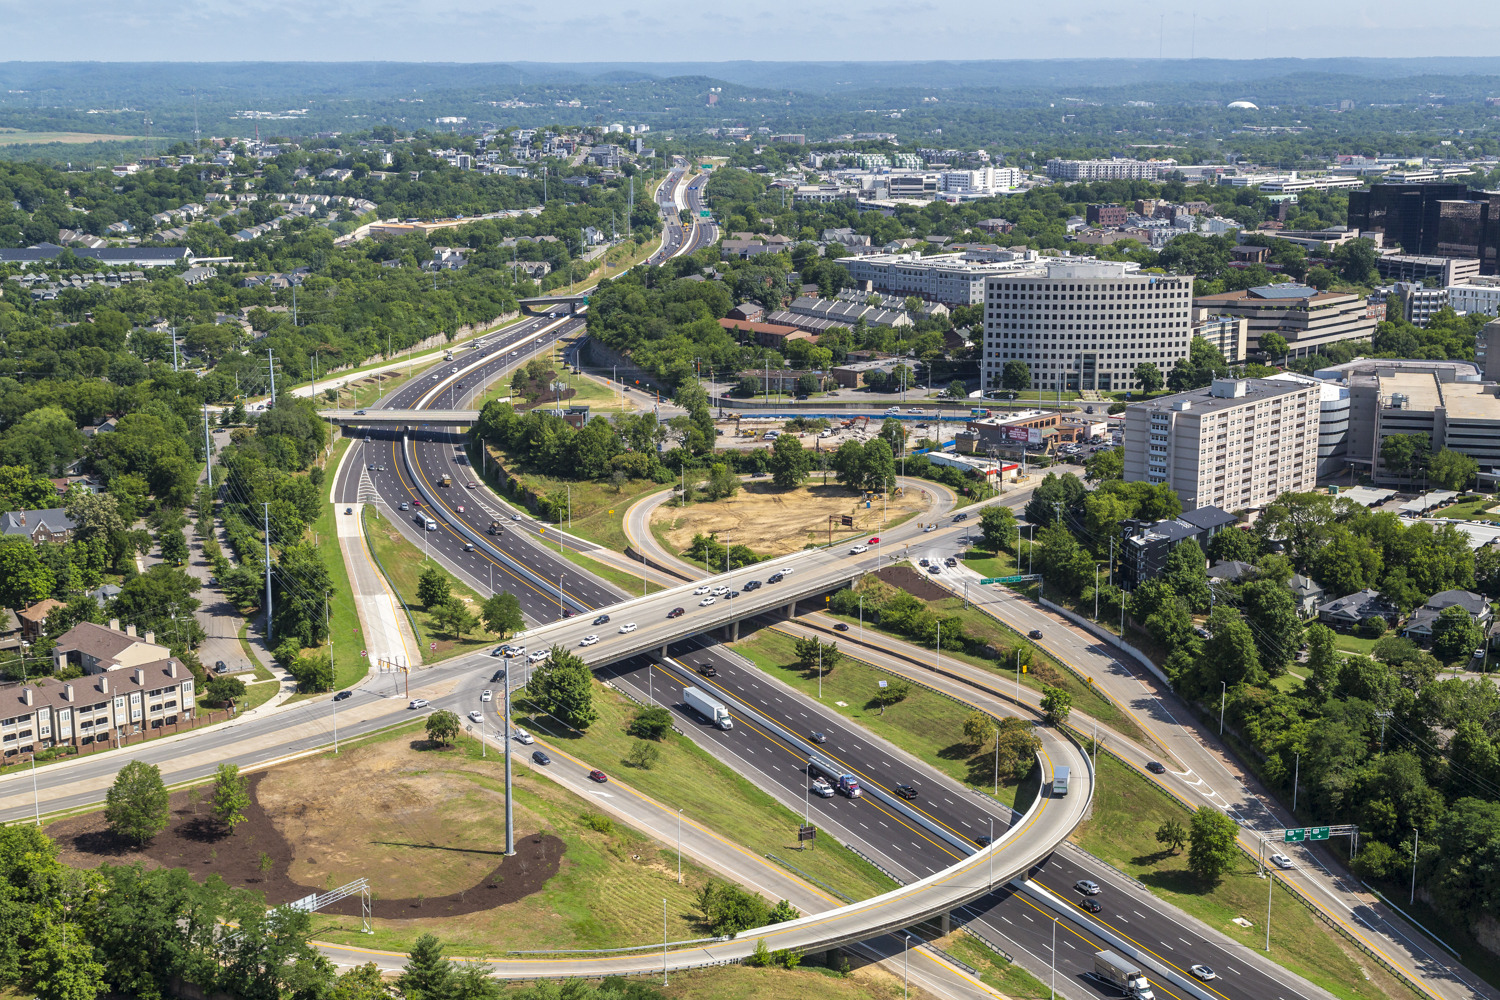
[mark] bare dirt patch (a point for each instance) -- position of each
(774, 522)
(382, 812)
(908, 579)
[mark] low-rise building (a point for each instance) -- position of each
(1423, 624)
(1345, 613)
(1419, 304)
(1307, 319)
(1475, 297)
(773, 335)
(1145, 545)
(101, 708)
(1417, 268)
(1230, 334)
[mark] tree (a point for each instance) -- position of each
(136, 805)
(24, 579)
(61, 965)
(1171, 835)
(782, 912)
(978, 728)
(1452, 470)
(1234, 544)
(650, 723)
(728, 909)
(223, 690)
(1105, 465)
(999, 525)
(433, 588)
(722, 482)
(643, 755)
(1056, 704)
(1016, 745)
(1271, 612)
(813, 654)
(442, 727)
(1230, 655)
(891, 694)
(1212, 849)
(1186, 572)
(563, 685)
(231, 796)
(174, 548)
(790, 462)
(454, 617)
(1272, 345)
(1149, 376)
(1320, 278)
(1323, 661)
(1016, 375)
(502, 614)
(1455, 634)
(428, 975)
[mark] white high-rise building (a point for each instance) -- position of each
(1085, 324)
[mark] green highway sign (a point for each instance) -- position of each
(1317, 833)
(705, 214)
(1008, 579)
(1306, 833)
(1294, 836)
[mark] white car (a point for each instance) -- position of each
(417, 703)
(627, 627)
(487, 695)
(858, 549)
(720, 591)
(1203, 972)
(1282, 861)
(701, 591)
(588, 640)
(476, 716)
(522, 736)
(515, 650)
(539, 655)
(710, 599)
(930, 527)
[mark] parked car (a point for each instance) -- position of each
(220, 667)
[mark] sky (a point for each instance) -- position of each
(771, 30)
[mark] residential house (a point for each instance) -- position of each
(1422, 625)
(51, 525)
(98, 648)
(1347, 612)
(1231, 571)
(748, 312)
(1307, 593)
(34, 618)
(774, 335)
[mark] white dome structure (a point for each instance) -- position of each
(1244, 104)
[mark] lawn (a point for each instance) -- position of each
(343, 619)
(402, 564)
(707, 791)
(1354, 644)
(1129, 808)
(613, 262)
(994, 971)
(991, 563)
(1472, 510)
(741, 982)
(424, 359)
(22, 137)
(925, 724)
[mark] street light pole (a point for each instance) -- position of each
(679, 847)
(510, 819)
(1223, 693)
(1415, 837)
(1270, 884)
(1054, 958)
(1297, 773)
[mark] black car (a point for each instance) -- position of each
(906, 792)
(1090, 905)
(708, 670)
(342, 695)
(841, 627)
(960, 517)
(497, 677)
(1035, 633)
(569, 612)
(818, 738)
(221, 667)
(1155, 767)
(602, 620)
(752, 585)
(541, 758)
(983, 840)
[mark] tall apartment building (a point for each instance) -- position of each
(1440, 220)
(1085, 324)
(952, 278)
(1237, 444)
(1117, 169)
(1306, 318)
(1228, 333)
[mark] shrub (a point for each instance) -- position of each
(599, 824)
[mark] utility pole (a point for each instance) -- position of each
(208, 452)
(510, 820)
(267, 522)
(1383, 716)
(174, 348)
(271, 366)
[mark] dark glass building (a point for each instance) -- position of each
(1437, 220)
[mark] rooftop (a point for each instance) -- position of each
(1205, 401)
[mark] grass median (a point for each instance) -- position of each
(1128, 810)
(343, 619)
(925, 724)
(689, 778)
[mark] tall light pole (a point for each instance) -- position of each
(906, 967)
(679, 847)
(510, 820)
(1054, 958)
(664, 940)
(1297, 773)
(1270, 884)
(1223, 694)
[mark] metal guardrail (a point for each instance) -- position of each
(992, 946)
(945, 956)
(615, 951)
(876, 865)
(810, 878)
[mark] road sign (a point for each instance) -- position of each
(1294, 836)
(1023, 578)
(1317, 833)
(807, 833)
(432, 645)
(363, 653)
(705, 214)
(847, 520)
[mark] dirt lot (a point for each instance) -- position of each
(774, 522)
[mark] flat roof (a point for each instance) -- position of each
(1421, 390)
(1204, 401)
(1469, 401)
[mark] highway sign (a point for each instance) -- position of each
(807, 833)
(705, 214)
(1317, 833)
(1023, 578)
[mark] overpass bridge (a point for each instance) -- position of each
(555, 303)
(400, 418)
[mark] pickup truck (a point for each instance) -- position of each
(495, 528)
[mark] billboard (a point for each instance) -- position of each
(1024, 435)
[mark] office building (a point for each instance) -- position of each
(1414, 267)
(1306, 318)
(1228, 333)
(1418, 303)
(1237, 444)
(1439, 220)
(1487, 351)
(1475, 297)
(1461, 416)
(1085, 324)
(951, 278)
(1116, 169)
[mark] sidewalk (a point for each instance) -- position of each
(386, 628)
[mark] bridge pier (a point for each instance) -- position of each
(732, 632)
(791, 610)
(663, 653)
(946, 920)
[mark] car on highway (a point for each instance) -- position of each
(588, 640)
(348, 510)
(856, 550)
(539, 655)
(469, 485)
(476, 716)
(983, 840)
(924, 561)
(1156, 767)
(486, 695)
(874, 541)
(372, 468)
(710, 599)
(934, 568)
(822, 788)
(359, 413)
(1090, 905)
(541, 758)
(405, 505)
(960, 517)
(459, 508)
(627, 627)
(1282, 861)
(676, 612)
(602, 620)
(416, 503)
(720, 591)
(1035, 633)
(708, 669)
(818, 738)
(950, 562)
(1087, 886)
(598, 775)
(417, 703)
(468, 546)
(929, 528)
(515, 517)
(906, 792)
(752, 585)
(700, 591)
(342, 695)
(841, 627)
(453, 371)
(522, 736)
(1203, 972)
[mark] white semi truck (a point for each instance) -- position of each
(713, 711)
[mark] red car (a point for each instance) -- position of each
(598, 775)
(416, 503)
(874, 541)
(460, 508)
(676, 613)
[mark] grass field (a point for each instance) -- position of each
(741, 982)
(924, 724)
(20, 137)
(343, 619)
(994, 971)
(403, 565)
(687, 777)
(1128, 809)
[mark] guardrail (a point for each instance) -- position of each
(809, 878)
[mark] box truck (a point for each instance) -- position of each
(713, 711)
(1060, 781)
(1122, 974)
